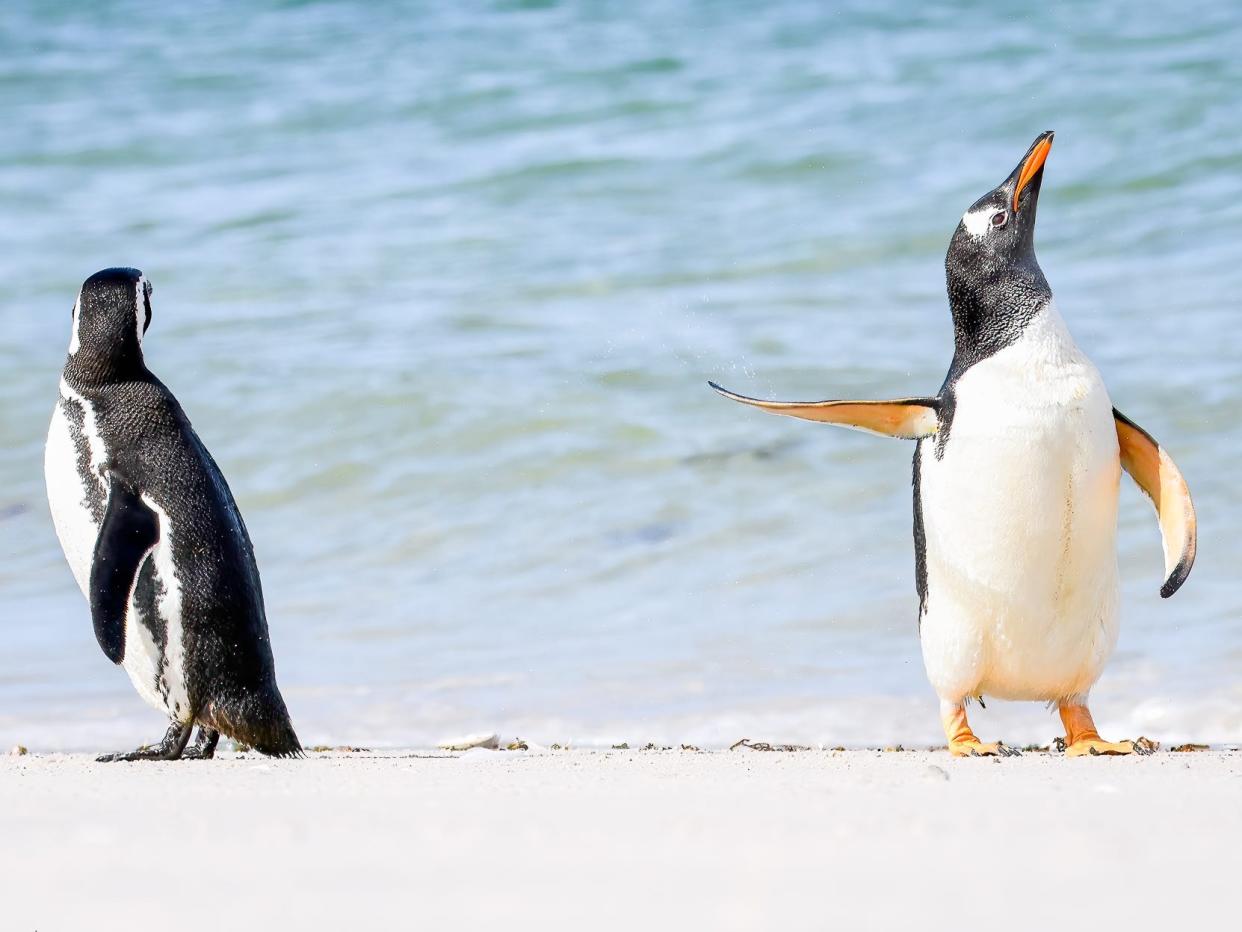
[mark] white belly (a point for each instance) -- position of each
(77, 529)
(67, 490)
(1020, 517)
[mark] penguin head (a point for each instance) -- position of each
(993, 276)
(110, 317)
(999, 229)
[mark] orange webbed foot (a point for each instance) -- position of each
(973, 747)
(1098, 747)
(962, 741)
(1082, 740)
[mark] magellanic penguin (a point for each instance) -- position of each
(154, 538)
(1016, 477)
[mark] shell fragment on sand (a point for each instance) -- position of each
(490, 742)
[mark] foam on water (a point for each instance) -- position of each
(441, 291)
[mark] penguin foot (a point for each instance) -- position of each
(962, 741)
(169, 749)
(973, 747)
(1081, 738)
(1097, 747)
(204, 746)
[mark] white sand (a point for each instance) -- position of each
(623, 840)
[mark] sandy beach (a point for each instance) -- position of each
(621, 839)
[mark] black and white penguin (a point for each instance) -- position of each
(154, 538)
(1016, 477)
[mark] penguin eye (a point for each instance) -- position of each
(999, 218)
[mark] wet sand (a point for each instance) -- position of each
(744, 840)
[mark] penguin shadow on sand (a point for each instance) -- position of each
(1017, 465)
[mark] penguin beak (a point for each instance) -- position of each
(1030, 170)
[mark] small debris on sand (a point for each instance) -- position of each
(765, 746)
(490, 742)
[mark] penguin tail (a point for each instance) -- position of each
(259, 721)
(283, 743)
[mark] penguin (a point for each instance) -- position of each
(155, 540)
(1017, 468)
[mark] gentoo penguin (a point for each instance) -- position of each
(1016, 473)
(154, 538)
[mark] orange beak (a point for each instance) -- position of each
(1034, 162)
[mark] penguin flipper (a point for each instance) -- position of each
(129, 530)
(904, 418)
(1158, 476)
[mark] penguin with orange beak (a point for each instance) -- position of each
(1017, 465)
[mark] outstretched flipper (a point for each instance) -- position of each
(1158, 476)
(130, 529)
(905, 418)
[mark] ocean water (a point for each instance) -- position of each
(441, 285)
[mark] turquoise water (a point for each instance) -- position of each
(441, 285)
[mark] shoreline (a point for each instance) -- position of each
(391, 722)
(616, 839)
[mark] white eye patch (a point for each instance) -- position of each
(978, 221)
(140, 309)
(74, 343)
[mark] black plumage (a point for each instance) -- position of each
(165, 492)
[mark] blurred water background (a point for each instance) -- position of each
(440, 285)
